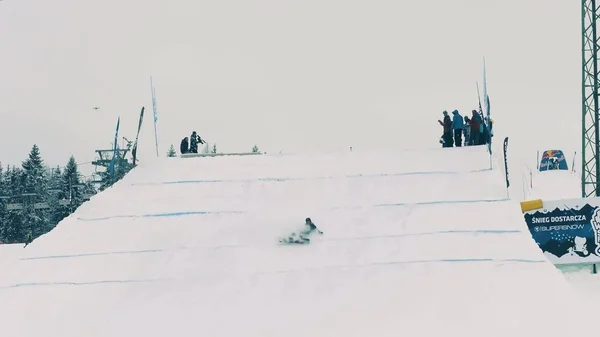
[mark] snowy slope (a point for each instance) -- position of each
(555, 185)
(417, 242)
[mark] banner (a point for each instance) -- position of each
(553, 160)
(486, 101)
(137, 136)
(155, 110)
(506, 162)
(567, 231)
(111, 168)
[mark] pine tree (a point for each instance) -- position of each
(206, 148)
(214, 149)
(72, 187)
(13, 229)
(89, 189)
(56, 195)
(171, 152)
(3, 200)
(255, 149)
(35, 170)
(36, 221)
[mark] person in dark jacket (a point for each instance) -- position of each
(184, 147)
(447, 124)
(467, 131)
(194, 143)
(475, 125)
(484, 137)
(303, 236)
(194, 140)
(457, 127)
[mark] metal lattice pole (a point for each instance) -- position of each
(590, 131)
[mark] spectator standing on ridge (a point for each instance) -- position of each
(457, 127)
(475, 128)
(184, 147)
(467, 131)
(485, 137)
(490, 123)
(194, 143)
(194, 140)
(447, 124)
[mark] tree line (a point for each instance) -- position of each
(35, 198)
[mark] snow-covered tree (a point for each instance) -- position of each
(13, 225)
(3, 200)
(72, 187)
(36, 221)
(171, 152)
(22, 187)
(55, 195)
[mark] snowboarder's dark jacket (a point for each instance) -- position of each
(309, 228)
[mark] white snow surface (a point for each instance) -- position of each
(417, 243)
(555, 185)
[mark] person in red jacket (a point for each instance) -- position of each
(475, 125)
(447, 138)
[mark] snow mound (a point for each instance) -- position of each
(415, 242)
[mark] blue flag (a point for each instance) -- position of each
(111, 168)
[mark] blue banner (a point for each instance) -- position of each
(553, 160)
(111, 168)
(137, 136)
(506, 162)
(155, 110)
(567, 234)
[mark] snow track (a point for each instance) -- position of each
(421, 243)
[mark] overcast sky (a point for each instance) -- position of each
(287, 75)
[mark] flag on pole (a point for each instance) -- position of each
(486, 102)
(111, 168)
(155, 110)
(137, 136)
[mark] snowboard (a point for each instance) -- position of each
(293, 241)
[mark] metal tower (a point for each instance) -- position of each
(590, 144)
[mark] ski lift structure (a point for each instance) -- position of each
(104, 160)
(105, 157)
(20, 201)
(29, 198)
(26, 198)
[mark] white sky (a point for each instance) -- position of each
(286, 75)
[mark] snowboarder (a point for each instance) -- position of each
(302, 236)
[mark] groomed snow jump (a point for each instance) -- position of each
(415, 243)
